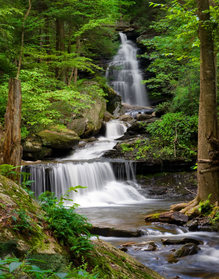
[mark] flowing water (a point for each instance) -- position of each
(123, 206)
(113, 187)
(125, 76)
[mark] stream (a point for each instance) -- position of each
(113, 198)
(110, 201)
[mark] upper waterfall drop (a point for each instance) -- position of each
(125, 76)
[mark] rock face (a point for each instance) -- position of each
(113, 101)
(47, 142)
(90, 121)
(63, 139)
(21, 223)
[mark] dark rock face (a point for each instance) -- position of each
(186, 250)
(177, 218)
(104, 231)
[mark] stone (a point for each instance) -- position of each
(126, 118)
(78, 125)
(142, 117)
(146, 246)
(106, 231)
(107, 116)
(186, 250)
(63, 139)
(177, 218)
(181, 241)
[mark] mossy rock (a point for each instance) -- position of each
(22, 221)
(115, 264)
(59, 139)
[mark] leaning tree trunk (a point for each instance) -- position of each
(12, 141)
(208, 142)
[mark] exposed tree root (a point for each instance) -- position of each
(186, 208)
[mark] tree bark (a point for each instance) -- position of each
(60, 44)
(208, 168)
(12, 140)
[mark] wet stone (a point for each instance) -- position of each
(186, 250)
(181, 241)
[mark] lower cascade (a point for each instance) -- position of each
(103, 189)
(102, 186)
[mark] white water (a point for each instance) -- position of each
(102, 187)
(114, 130)
(125, 76)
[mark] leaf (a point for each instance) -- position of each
(14, 265)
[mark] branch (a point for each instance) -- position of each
(22, 41)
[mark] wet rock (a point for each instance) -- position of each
(107, 116)
(126, 118)
(200, 224)
(172, 259)
(146, 246)
(181, 241)
(177, 218)
(105, 231)
(136, 128)
(142, 117)
(186, 250)
(124, 249)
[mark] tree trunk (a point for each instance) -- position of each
(12, 141)
(208, 167)
(60, 44)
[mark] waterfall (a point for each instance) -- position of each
(124, 74)
(106, 185)
(102, 187)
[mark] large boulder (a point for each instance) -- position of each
(90, 121)
(59, 139)
(33, 149)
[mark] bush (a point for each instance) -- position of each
(70, 228)
(176, 132)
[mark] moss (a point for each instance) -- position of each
(113, 263)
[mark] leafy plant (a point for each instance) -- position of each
(205, 207)
(69, 227)
(14, 268)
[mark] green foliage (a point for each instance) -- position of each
(69, 227)
(174, 56)
(22, 222)
(205, 207)
(15, 268)
(175, 134)
(8, 170)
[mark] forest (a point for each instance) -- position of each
(109, 139)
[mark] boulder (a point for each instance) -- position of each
(113, 100)
(106, 231)
(90, 121)
(177, 218)
(186, 250)
(181, 241)
(59, 139)
(33, 149)
(146, 246)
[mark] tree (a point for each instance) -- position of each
(208, 141)
(12, 142)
